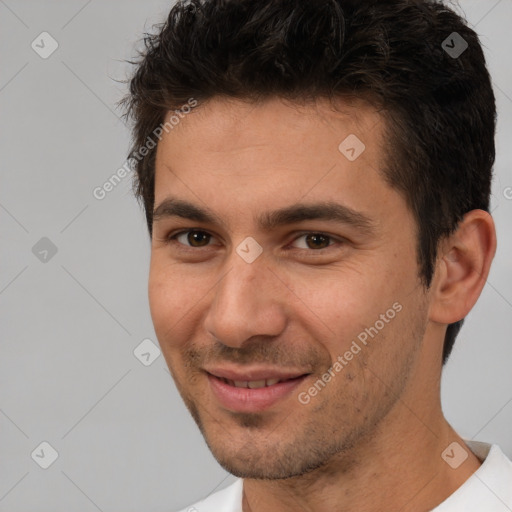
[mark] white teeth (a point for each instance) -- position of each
(255, 384)
(252, 384)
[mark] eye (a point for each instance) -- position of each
(197, 238)
(314, 240)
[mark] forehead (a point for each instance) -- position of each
(265, 155)
(222, 124)
(224, 132)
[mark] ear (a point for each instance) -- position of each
(462, 267)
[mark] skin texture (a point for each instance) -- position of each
(372, 438)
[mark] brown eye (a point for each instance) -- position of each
(315, 240)
(192, 238)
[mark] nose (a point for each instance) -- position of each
(248, 301)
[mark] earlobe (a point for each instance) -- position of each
(462, 267)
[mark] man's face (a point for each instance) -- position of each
(223, 311)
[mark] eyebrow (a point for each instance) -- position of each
(295, 213)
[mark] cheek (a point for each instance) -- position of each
(176, 302)
(346, 307)
(160, 300)
(165, 308)
(344, 301)
(168, 301)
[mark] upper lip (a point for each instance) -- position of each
(253, 373)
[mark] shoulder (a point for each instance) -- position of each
(489, 488)
(226, 500)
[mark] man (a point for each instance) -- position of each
(316, 180)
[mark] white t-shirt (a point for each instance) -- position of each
(488, 489)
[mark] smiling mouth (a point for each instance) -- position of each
(252, 396)
(256, 384)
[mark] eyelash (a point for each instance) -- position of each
(171, 239)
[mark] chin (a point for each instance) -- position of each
(280, 468)
(247, 457)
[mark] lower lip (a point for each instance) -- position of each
(252, 400)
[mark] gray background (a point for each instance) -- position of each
(70, 324)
